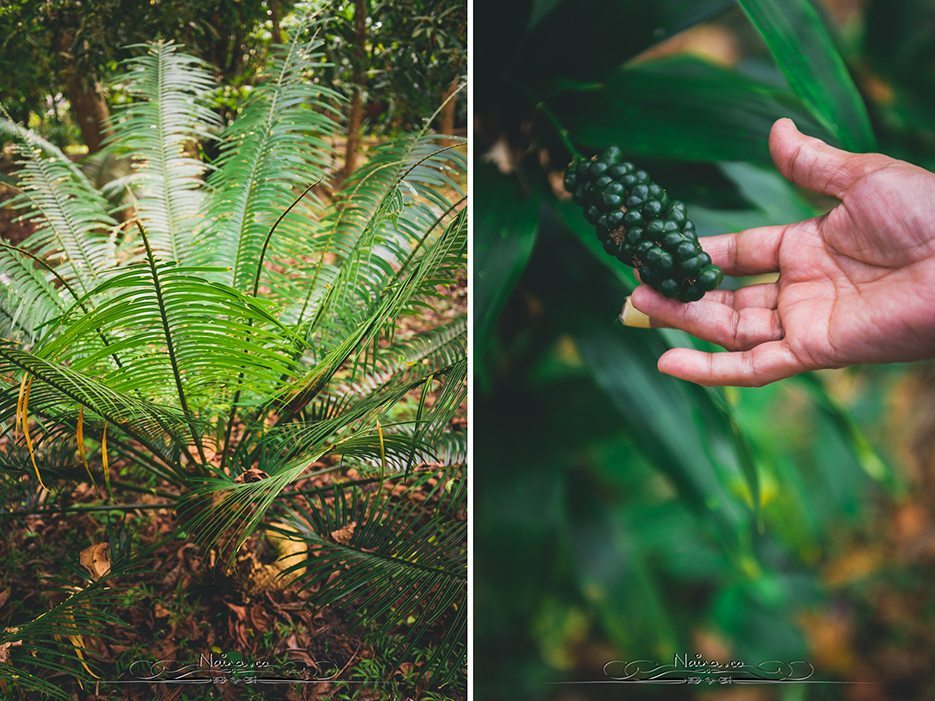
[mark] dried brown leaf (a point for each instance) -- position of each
(96, 560)
(342, 536)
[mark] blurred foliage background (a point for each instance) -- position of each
(624, 515)
(397, 61)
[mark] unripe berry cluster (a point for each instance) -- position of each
(640, 225)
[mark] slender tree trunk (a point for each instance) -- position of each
(446, 120)
(355, 117)
(84, 94)
(89, 109)
(275, 14)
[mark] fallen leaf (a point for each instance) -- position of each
(96, 560)
(342, 536)
(253, 474)
(5, 650)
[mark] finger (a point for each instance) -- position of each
(756, 367)
(764, 295)
(710, 320)
(815, 165)
(750, 252)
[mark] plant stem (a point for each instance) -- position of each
(353, 483)
(563, 133)
(84, 509)
(170, 347)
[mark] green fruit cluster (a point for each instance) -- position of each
(639, 224)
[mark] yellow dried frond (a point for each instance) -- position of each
(24, 422)
(104, 461)
(79, 436)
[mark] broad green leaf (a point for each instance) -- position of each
(667, 415)
(757, 615)
(864, 453)
(504, 235)
(769, 192)
(772, 198)
(613, 574)
(670, 422)
(683, 108)
(584, 39)
(806, 54)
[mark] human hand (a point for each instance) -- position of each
(856, 285)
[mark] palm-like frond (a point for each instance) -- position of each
(407, 284)
(416, 355)
(275, 145)
(407, 192)
(35, 652)
(160, 129)
(74, 231)
(21, 136)
(239, 507)
(58, 391)
(229, 509)
(179, 337)
(402, 568)
(28, 297)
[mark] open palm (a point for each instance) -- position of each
(855, 285)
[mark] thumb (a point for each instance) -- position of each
(812, 163)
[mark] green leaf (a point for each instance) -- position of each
(276, 144)
(872, 462)
(806, 54)
(683, 108)
(773, 200)
(168, 115)
(613, 574)
(670, 421)
(73, 228)
(504, 236)
(28, 297)
(584, 39)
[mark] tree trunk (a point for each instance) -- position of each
(84, 94)
(355, 117)
(275, 14)
(446, 120)
(89, 109)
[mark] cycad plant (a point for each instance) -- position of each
(225, 332)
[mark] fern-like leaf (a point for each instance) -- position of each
(160, 129)
(74, 231)
(275, 146)
(401, 568)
